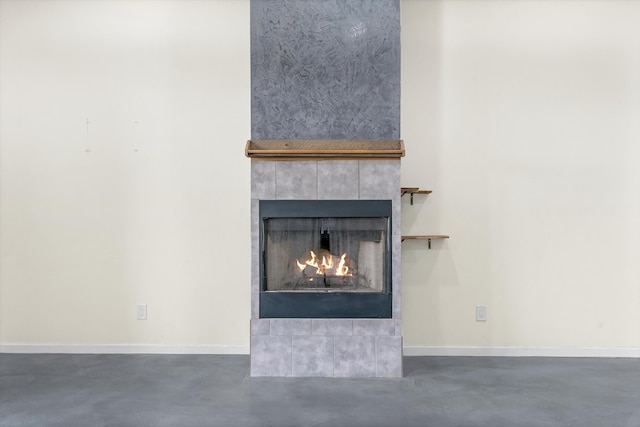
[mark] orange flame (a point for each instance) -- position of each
(326, 267)
(342, 269)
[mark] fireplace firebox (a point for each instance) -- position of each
(325, 259)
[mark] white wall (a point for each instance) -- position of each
(521, 116)
(87, 236)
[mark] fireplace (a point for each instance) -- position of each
(325, 259)
(325, 189)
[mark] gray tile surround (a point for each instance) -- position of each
(361, 347)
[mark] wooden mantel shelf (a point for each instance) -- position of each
(325, 149)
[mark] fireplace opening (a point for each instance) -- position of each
(325, 258)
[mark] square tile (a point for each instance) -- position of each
(297, 180)
(398, 327)
(388, 356)
(255, 302)
(290, 326)
(340, 327)
(312, 356)
(373, 327)
(379, 179)
(396, 215)
(255, 217)
(263, 179)
(354, 357)
(255, 279)
(270, 356)
(338, 180)
(260, 327)
(397, 296)
(396, 254)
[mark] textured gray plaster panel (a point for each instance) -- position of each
(338, 180)
(312, 356)
(270, 356)
(325, 69)
(389, 356)
(373, 327)
(354, 357)
(263, 179)
(297, 180)
(260, 326)
(379, 179)
(332, 327)
(290, 326)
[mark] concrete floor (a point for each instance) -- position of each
(199, 390)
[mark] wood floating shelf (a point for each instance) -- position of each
(427, 238)
(325, 149)
(412, 191)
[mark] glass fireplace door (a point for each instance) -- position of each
(325, 259)
(325, 254)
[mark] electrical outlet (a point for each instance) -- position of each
(481, 313)
(141, 310)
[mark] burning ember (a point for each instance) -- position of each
(331, 265)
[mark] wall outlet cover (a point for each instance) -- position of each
(481, 313)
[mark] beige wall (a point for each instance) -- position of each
(521, 116)
(86, 236)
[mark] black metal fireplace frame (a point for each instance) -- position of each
(283, 304)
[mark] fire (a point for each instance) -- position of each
(326, 266)
(342, 269)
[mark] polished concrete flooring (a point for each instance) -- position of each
(204, 390)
